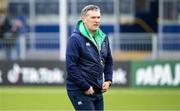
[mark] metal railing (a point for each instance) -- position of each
(126, 46)
(130, 46)
(45, 46)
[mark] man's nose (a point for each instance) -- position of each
(97, 20)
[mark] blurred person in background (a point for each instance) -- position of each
(6, 35)
(88, 62)
(4, 25)
(19, 29)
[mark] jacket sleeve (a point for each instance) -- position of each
(108, 69)
(72, 57)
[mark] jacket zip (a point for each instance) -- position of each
(98, 49)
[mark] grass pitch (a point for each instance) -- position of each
(119, 99)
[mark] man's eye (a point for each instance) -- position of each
(95, 17)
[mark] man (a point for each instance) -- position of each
(88, 62)
(6, 36)
(4, 25)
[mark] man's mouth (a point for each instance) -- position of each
(96, 25)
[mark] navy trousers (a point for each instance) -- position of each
(81, 101)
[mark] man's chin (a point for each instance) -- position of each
(96, 28)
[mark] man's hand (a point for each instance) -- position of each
(90, 91)
(105, 86)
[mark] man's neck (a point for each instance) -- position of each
(92, 33)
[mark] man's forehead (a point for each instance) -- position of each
(93, 13)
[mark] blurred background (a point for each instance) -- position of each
(145, 42)
(138, 29)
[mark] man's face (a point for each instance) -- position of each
(92, 20)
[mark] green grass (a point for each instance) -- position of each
(55, 99)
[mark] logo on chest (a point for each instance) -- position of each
(88, 44)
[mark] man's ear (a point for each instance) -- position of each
(83, 19)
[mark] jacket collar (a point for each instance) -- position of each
(98, 38)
